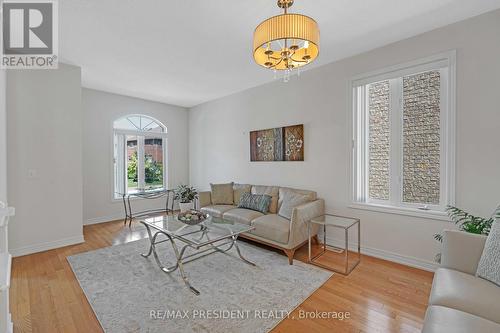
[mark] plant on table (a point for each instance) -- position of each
(185, 193)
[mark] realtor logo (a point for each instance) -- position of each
(29, 34)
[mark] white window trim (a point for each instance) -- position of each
(114, 131)
(448, 137)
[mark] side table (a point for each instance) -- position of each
(339, 222)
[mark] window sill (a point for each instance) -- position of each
(429, 214)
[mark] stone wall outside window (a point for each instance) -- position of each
(379, 135)
(421, 138)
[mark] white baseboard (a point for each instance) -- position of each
(103, 219)
(46, 246)
(386, 255)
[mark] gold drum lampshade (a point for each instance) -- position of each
(286, 41)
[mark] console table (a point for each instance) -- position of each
(146, 194)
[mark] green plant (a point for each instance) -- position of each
(132, 167)
(185, 193)
(153, 170)
(467, 222)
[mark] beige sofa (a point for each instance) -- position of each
(271, 229)
(460, 302)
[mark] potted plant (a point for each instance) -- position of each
(468, 223)
(186, 195)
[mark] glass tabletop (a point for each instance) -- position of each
(139, 192)
(335, 220)
(215, 229)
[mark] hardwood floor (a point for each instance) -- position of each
(380, 296)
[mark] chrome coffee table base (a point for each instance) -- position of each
(209, 247)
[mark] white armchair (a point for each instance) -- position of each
(460, 301)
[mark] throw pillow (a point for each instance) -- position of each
(271, 191)
(258, 202)
(222, 194)
(310, 194)
(290, 201)
(239, 189)
(489, 265)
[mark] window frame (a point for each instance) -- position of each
(141, 136)
(358, 137)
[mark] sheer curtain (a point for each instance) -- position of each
(119, 157)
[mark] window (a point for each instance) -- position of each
(403, 137)
(139, 154)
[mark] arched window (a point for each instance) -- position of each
(140, 159)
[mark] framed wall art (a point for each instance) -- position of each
(277, 144)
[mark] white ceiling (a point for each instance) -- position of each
(186, 52)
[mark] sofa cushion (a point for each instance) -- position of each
(273, 227)
(272, 191)
(290, 201)
(311, 194)
(241, 215)
(258, 202)
(439, 319)
(467, 293)
(222, 194)
(238, 190)
(217, 210)
(489, 264)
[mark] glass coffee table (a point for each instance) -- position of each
(210, 236)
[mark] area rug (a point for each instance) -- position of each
(129, 293)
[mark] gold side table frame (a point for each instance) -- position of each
(340, 222)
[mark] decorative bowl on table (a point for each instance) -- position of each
(192, 217)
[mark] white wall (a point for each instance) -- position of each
(100, 109)
(44, 158)
(3, 138)
(219, 134)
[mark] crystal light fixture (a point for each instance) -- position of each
(286, 42)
